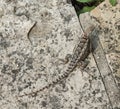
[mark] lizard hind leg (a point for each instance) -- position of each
(82, 65)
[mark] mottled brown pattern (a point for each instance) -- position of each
(79, 55)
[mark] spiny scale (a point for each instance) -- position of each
(77, 57)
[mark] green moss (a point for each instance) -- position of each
(87, 5)
(85, 9)
(113, 2)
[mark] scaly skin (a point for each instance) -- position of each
(80, 53)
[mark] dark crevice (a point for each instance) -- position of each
(79, 5)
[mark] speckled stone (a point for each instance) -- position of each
(35, 35)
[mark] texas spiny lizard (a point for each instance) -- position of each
(80, 53)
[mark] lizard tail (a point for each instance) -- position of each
(34, 93)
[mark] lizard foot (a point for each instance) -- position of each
(82, 65)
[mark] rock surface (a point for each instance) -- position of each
(35, 36)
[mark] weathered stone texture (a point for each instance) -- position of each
(34, 36)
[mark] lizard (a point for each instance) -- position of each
(81, 51)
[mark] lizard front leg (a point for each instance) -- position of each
(66, 60)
